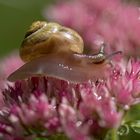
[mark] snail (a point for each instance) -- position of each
(50, 49)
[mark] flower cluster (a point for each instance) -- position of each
(48, 107)
(7, 66)
(114, 21)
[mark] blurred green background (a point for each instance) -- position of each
(15, 18)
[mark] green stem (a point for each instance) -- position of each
(112, 135)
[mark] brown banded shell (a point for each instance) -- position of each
(44, 38)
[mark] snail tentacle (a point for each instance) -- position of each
(95, 58)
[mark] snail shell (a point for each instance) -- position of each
(45, 38)
(50, 49)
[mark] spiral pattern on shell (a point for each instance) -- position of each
(44, 38)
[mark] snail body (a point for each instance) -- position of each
(50, 49)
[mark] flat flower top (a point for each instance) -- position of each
(42, 106)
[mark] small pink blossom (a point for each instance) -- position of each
(124, 84)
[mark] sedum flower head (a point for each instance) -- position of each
(42, 107)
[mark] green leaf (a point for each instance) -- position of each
(123, 130)
(135, 125)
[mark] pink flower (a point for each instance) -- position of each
(73, 127)
(114, 22)
(47, 107)
(8, 65)
(125, 84)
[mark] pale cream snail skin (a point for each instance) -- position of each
(52, 50)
